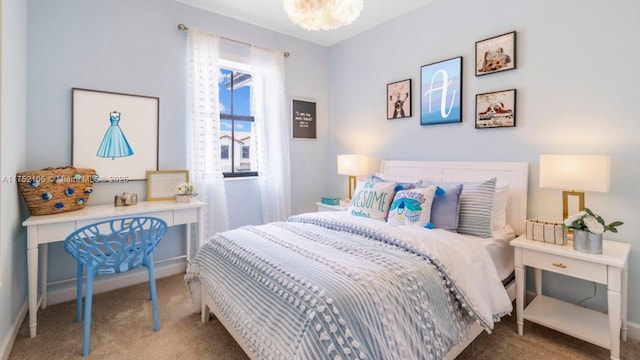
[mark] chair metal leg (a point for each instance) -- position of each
(152, 290)
(79, 293)
(87, 312)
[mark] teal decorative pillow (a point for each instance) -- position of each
(412, 207)
(372, 200)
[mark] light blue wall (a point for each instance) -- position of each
(135, 47)
(577, 84)
(13, 91)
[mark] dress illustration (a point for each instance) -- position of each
(114, 144)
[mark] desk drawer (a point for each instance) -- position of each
(185, 216)
(164, 215)
(565, 265)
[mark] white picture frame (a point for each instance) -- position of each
(139, 122)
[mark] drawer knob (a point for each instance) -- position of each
(560, 265)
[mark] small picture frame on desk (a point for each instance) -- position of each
(161, 185)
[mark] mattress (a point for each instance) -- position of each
(500, 251)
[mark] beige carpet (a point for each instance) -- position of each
(122, 328)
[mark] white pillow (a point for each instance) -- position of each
(372, 199)
(499, 212)
(412, 207)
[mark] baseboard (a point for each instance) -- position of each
(66, 291)
(7, 342)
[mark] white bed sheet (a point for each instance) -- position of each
(499, 249)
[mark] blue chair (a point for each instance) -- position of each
(111, 247)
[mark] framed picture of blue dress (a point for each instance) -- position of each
(116, 134)
(441, 92)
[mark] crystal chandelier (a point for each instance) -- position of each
(322, 14)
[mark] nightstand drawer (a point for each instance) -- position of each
(565, 265)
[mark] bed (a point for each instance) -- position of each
(331, 285)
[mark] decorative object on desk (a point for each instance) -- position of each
(114, 144)
(161, 185)
(399, 99)
(353, 165)
(184, 192)
(496, 54)
(579, 173)
(588, 228)
(56, 190)
(322, 15)
(125, 199)
(441, 92)
(496, 109)
(110, 153)
(330, 200)
(549, 232)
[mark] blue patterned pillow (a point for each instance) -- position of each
(412, 207)
(445, 210)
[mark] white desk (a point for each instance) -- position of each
(44, 229)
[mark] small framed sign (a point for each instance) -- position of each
(161, 185)
(303, 119)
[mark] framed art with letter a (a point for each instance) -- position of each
(441, 92)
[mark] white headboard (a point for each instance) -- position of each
(516, 174)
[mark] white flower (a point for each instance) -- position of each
(593, 225)
(185, 189)
(574, 217)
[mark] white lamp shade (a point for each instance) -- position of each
(352, 164)
(575, 172)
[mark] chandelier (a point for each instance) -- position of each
(322, 14)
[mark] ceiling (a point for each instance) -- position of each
(270, 14)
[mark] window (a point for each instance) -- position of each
(236, 123)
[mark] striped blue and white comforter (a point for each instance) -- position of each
(331, 286)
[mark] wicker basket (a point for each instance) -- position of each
(549, 232)
(56, 190)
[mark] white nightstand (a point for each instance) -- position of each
(325, 207)
(609, 268)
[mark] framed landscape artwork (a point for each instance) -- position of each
(399, 99)
(496, 109)
(496, 54)
(441, 92)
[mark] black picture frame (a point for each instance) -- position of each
(441, 92)
(303, 119)
(399, 99)
(496, 54)
(496, 109)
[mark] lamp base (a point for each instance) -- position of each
(565, 202)
(352, 185)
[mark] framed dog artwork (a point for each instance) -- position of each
(496, 109)
(399, 99)
(496, 54)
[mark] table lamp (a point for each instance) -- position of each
(579, 173)
(353, 165)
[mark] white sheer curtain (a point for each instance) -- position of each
(269, 106)
(203, 129)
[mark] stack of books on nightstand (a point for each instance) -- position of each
(327, 200)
